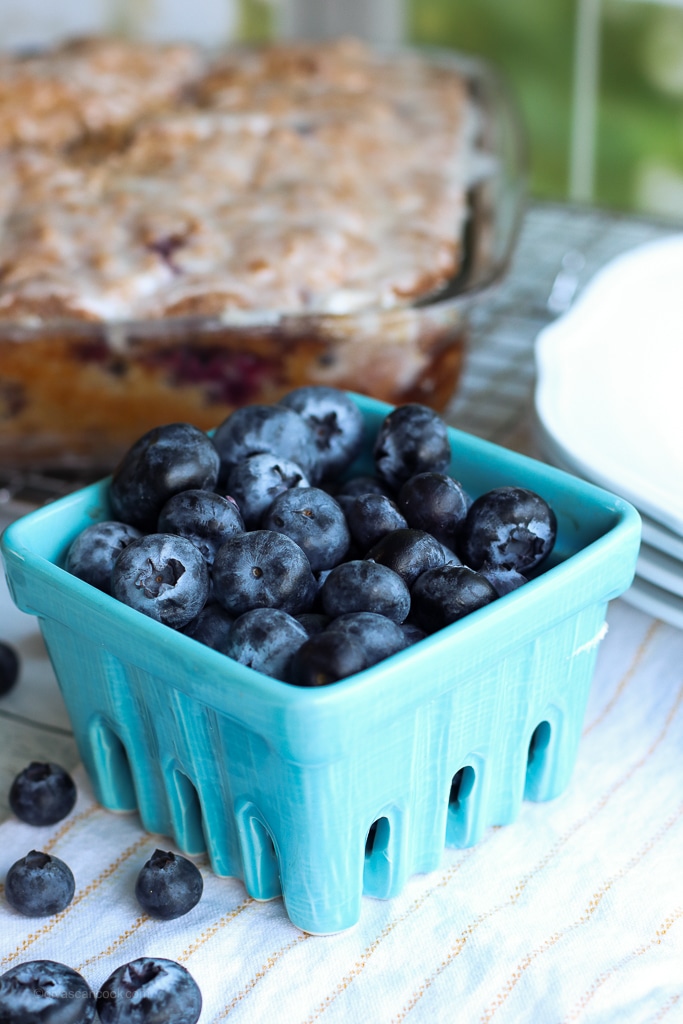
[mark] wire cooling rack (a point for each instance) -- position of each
(560, 248)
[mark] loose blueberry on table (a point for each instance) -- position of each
(268, 544)
(168, 885)
(149, 990)
(45, 992)
(42, 793)
(39, 885)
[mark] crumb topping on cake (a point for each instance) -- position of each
(142, 182)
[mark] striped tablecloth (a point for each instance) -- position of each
(572, 913)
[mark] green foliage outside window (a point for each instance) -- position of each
(639, 127)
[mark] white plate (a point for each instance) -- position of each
(656, 602)
(654, 534)
(660, 569)
(660, 537)
(609, 380)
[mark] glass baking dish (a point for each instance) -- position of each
(75, 394)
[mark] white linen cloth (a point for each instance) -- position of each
(572, 913)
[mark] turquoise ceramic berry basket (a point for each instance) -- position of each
(323, 795)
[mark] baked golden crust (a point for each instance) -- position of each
(143, 182)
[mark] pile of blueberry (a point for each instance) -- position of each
(260, 543)
(149, 990)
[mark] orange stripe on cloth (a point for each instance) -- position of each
(521, 886)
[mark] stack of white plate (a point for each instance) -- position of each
(609, 405)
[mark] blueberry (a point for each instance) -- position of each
(508, 527)
(42, 794)
(435, 503)
(362, 586)
(265, 639)
(163, 576)
(39, 885)
(445, 594)
(211, 627)
(336, 424)
(204, 517)
(93, 552)
(313, 622)
(412, 634)
(408, 552)
(378, 636)
(365, 484)
(164, 461)
(9, 667)
(315, 521)
(370, 517)
(411, 439)
(254, 429)
(325, 658)
(503, 579)
(256, 481)
(45, 992)
(262, 569)
(149, 990)
(168, 885)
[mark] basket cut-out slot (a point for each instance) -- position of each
(538, 756)
(460, 803)
(259, 855)
(112, 767)
(379, 867)
(187, 814)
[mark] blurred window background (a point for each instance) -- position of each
(599, 82)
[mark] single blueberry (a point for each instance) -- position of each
(411, 439)
(256, 481)
(42, 793)
(446, 594)
(45, 992)
(508, 527)
(163, 576)
(412, 633)
(265, 639)
(435, 503)
(211, 627)
(9, 667)
(168, 885)
(313, 622)
(253, 429)
(336, 424)
(378, 636)
(204, 517)
(503, 579)
(262, 569)
(149, 990)
(171, 458)
(364, 484)
(408, 552)
(315, 521)
(93, 552)
(39, 885)
(363, 586)
(371, 517)
(326, 658)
